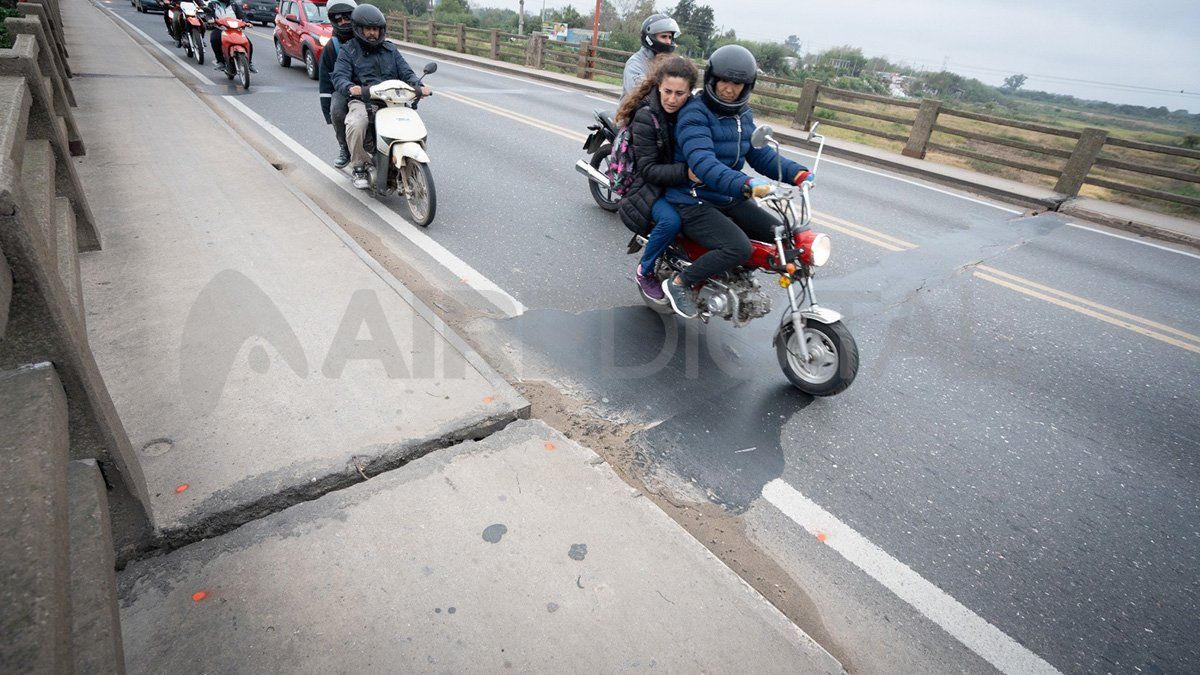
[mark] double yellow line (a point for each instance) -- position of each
(874, 237)
(516, 116)
(1110, 315)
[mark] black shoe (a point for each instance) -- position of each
(681, 298)
(343, 157)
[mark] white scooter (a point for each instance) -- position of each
(401, 161)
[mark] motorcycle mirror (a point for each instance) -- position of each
(430, 67)
(759, 138)
(813, 130)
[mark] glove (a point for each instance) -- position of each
(804, 175)
(757, 187)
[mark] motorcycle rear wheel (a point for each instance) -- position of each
(422, 202)
(835, 358)
(242, 68)
(603, 196)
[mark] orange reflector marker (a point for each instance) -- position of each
(821, 536)
(489, 399)
(549, 445)
(181, 489)
(199, 595)
(791, 268)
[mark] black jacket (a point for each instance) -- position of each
(325, 74)
(358, 65)
(653, 156)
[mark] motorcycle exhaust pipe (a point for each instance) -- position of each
(592, 174)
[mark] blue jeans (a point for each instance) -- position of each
(666, 227)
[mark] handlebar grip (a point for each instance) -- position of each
(802, 176)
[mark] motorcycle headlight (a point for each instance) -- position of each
(324, 40)
(817, 247)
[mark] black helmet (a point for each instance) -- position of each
(655, 24)
(365, 16)
(343, 7)
(732, 63)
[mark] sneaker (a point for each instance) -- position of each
(681, 298)
(360, 178)
(650, 286)
(343, 157)
(220, 65)
(253, 69)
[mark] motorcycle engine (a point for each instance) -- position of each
(739, 300)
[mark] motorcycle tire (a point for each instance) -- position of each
(197, 39)
(281, 56)
(422, 204)
(836, 362)
(241, 65)
(603, 196)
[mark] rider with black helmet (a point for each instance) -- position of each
(362, 63)
(658, 36)
(713, 137)
(335, 105)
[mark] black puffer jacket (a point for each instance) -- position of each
(653, 155)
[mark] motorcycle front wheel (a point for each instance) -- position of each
(421, 196)
(197, 41)
(242, 67)
(834, 363)
(603, 195)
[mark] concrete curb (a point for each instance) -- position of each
(934, 173)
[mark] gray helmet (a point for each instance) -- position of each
(344, 7)
(366, 16)
(655, 24)
(732, 63)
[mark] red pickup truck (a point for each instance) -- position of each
(301, 31)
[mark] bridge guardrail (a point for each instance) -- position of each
(1064, 159)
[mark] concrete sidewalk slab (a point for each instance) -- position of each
(524, 551)
(256, 355)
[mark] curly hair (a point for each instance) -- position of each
(664, 66)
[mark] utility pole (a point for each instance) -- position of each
(521, 19)
(596, 25)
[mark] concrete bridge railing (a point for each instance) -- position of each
(65, 458)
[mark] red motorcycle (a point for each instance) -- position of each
(192, 34)
(815, 349)
(235, 47)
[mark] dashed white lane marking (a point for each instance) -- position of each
(497, 296)
(972, 630)
(184, 64)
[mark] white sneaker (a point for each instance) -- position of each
(360, 178)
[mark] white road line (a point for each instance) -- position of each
(497, 296)
(195, 73)
(905, 180)
(1134, 241)
(981, 637)
(602, 100)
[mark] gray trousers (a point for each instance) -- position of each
(356, 131)
(339, 105)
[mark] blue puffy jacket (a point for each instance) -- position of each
(716, 148)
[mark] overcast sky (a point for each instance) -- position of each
(1126, 46)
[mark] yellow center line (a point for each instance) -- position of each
(862, 228)
(515, 116)
(1088, 303)
(858, 235)
(1089, 312)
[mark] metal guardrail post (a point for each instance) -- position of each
(1087, 149)
(432, 34)
(922, 128)
(462, 38)
(804, 109)
(495, 45)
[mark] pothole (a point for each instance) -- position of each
(158, 447)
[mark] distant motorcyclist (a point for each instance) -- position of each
(334, 104)
(362, 63)
(713, 136)
(658, 35)
(220, 9)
